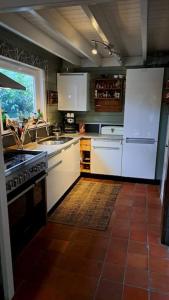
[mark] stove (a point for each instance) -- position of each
(25, 173)
(22, 166)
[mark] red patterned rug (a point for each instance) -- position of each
(89, 204)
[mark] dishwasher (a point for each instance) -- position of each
(106, 152)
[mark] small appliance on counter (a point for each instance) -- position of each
(69, 123)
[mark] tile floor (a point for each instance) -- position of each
(125, 262)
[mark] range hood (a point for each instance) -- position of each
(7, 82)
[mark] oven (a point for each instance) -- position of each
(26, 196)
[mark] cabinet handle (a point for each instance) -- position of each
(21, 194)
(106, 148)
(54, 154)
(55, 165)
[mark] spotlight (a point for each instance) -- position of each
(94, 50)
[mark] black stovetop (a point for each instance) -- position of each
(13, 159)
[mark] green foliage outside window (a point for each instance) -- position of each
(18, 102)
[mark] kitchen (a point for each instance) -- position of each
(21, 34)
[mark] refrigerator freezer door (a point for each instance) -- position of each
(139, 159)
(143, 102)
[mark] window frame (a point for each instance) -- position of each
(39, 76)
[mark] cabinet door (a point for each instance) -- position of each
(76, 160)
(139, 160)
(55, 181)
(71, 164)
(106, 159)
(72, 91)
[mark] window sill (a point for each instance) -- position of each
(8, 131)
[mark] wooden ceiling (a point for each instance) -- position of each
(135, 28)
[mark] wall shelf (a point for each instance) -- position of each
(108, 94)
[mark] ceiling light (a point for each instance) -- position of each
(106, 46)
(94, 49)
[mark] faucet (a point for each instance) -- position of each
(26, 130)
(46, 126)
(16, 137)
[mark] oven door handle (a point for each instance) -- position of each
(21, 194)
(41, 178)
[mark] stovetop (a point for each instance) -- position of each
(13, 159)
(22, 166)
(16, 159)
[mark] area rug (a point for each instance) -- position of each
(89, 204)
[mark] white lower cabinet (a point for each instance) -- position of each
(63, 170)
(106, 156)
(55, 183)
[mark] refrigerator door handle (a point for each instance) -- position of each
(140, 141)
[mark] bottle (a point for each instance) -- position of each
(4, 120)
(39, 114)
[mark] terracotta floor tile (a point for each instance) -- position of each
(113, 272)
(109, 291)
(60, 232)
(159, 282)
(139, 201)
(159, 265)
(82, 234)
(116, 256)
(83, 288)
(58, 245)
(120, 230)
(132, 293)
(159, 251)
(123, 211)
(117, 252)
(137, 248)
(69, 261)
(137, 261)
(139, 235)
(158, 296)
(125, 201)
(79, 265)
(38, 291)
(136, 277)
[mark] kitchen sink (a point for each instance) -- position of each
(53, 140)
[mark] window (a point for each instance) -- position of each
(17, 103)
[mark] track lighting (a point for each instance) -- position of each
(94, 50)
(108, 47)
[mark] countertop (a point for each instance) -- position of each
(55, 149)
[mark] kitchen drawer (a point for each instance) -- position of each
(106, 143)
(52, 161)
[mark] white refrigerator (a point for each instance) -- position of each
(141, 122)
(165, 164)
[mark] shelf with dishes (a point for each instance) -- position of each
(108, 94)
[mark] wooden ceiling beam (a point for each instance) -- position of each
(95, 13)
(25, 29)
(64, 32)
(95, 24)
(24, 5)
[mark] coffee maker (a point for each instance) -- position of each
(69, 123)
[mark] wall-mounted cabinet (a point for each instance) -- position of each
(108, 94)
(73, 91)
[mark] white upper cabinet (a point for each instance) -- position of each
(73, 91)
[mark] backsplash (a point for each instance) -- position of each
(91, 116)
